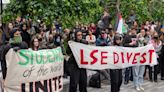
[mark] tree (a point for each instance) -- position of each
(85, 11)
(68, 11)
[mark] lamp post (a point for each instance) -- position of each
(1, 10)
(1, 6)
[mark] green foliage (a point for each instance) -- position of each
(85, 11)
(144, 9)
(68, 11)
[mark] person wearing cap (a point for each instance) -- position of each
(116, 74)
(16, 43)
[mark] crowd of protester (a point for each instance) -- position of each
(24, 33)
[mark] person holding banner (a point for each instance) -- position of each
(77, 75)
(103, 41)
(157, 46)
(138, 70)
(130, 40)
(16, 43)
(162, 57)
(116, 74)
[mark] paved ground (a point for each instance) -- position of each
(149, 87)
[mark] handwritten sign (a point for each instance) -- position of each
(34, 71)
(112, 57)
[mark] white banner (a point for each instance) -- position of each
(34, 71)
(112, 57)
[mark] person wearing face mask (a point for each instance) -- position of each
(16, 43)
(157, 44)
(116, 74)
(78, 76)
(57, 40)
(138, 70)
(102, 40)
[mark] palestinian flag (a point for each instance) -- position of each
(121, 27)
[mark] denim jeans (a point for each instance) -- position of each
(138, 72)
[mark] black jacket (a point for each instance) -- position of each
(26, 37)
(128, 39)
(6, 48)
(72, 60)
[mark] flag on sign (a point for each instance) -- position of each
(121, 27)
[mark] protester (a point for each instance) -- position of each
(92, 28)
(42, 41)
(1, 34)
(57, 40)
(7, 32)
(116, 74)
(162, 57)
(131, 19)
(50, 43)
(106, 19)
(78, 76)
(18, 35)
(90, 38)
(111, 36)
(103, 41)
(15, 43)
(130, 40)
(35, 44)
(52, 31)
(25, 35)
(138, 70)
(157, 46)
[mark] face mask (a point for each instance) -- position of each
(155, 37)
(104, 36)
(40, 39)
(16, 39)
(58, 39)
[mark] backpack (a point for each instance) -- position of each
(95, 81)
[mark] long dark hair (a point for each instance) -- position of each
(76, 35)
(21, 27)
(117, 37)
(32, 42)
